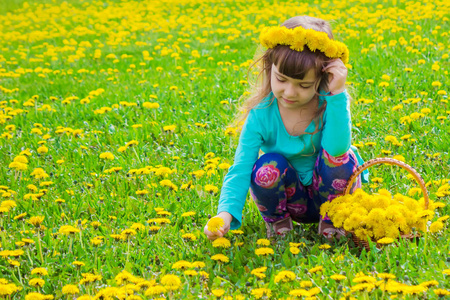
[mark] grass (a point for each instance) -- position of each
(192, 58)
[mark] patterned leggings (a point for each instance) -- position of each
(278, 192)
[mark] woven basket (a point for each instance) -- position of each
(376, 161)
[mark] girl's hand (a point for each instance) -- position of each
(337, 75)
(221, 231)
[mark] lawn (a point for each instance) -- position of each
(115, 136)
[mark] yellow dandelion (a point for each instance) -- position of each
(215, 223)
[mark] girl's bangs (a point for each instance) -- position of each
(292, 63)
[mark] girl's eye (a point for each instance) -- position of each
(280, 80)
(305, 87)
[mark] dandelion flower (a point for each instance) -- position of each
(436, 226)
(218, 292)
(107, 156)
(70, 289)
(182, 264)
(299, 293)
(39, 271)
(441, 292)
(324, 247)
(36, 221)
(315, 269)
(221, 243)
(189, 236)
(215, 223)
(36, 282)
(294, 250)
(385, 241)
(220, 257)
(260, 292)
(264, 251)
(386, 276)
(285, 276)
(263, 242)
(338, 277)
(171, 282)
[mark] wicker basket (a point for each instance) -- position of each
(365, 244)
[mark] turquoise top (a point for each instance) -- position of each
(264, 130)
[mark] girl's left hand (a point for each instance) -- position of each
(337, 75)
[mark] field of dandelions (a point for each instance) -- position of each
(115, 138)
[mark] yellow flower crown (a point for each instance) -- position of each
(297, 38)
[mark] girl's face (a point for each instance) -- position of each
(293, 93)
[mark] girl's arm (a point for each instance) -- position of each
(336, 135)
(237, 181)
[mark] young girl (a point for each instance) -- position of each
(299, 117)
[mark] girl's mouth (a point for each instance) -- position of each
(288, 101)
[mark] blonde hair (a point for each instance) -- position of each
(291, 63)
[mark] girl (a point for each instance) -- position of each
(299, 117)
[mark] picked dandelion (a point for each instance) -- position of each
(215, 223)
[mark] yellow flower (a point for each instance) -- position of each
(441, 292)
(78, 263)
(39, 271)
(264, 251)
(221, 242)
(169, 127)
(385, 241)
(155, 290)
(436, 226)
(188, 214)
(263, 242)
(211, 189)
(215, 223)
(338, 277)
(218, 292)
(324, 247)
(299, 293)
(220, 257)
(386, 276)
(189, 236)
(294, 250)
(36, 282)
(260, 292)
(285, 276)
(315, 269)
(68, 229)
(42, 150)
(70, 289)
(36, 221)
(107, 156)
(171, 282)
(259, 272)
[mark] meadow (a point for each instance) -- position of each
(115, 137)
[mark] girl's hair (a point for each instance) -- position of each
(291, 63)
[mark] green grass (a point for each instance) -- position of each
(189, 90)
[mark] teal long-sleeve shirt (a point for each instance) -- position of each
(264, 130)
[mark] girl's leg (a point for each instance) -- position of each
(330, 178)
(276, 189)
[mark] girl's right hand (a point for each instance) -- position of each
(226, 217)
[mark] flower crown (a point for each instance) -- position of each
(299, 37)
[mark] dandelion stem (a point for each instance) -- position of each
(20, 275)
(40, 247)
(81, 240)
(128, 249)
(137, 156)
(70, 244)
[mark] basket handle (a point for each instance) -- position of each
(391, 161)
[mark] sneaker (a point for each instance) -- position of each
(329, 231)
(280, 227)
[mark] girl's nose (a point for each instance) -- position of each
(289, 90)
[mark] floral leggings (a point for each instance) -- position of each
(278, 192)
